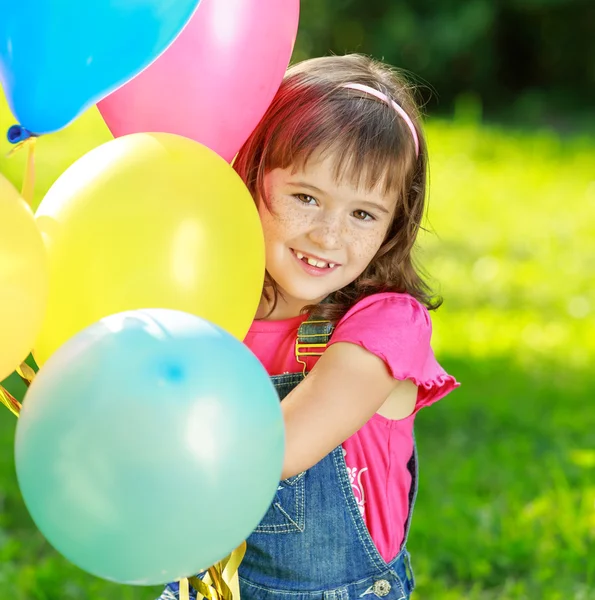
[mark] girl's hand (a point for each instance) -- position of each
(344, 390)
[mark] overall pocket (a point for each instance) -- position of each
(286, 514)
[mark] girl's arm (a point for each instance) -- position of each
(344, 390)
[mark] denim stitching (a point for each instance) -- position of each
(409, 570)
(297, 486)
(299, 528)
(283, 592)
(291, 481)
(300, 499)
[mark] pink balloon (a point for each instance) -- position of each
(215, 82)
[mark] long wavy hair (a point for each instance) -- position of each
(370, 144)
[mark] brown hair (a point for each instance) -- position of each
(370, 144)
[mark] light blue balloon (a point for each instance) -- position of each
(149, 446)
(59, 57)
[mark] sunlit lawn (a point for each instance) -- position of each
(506, 508)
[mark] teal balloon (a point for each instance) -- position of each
(59, 57)
(149, 446)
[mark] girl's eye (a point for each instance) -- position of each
(362, 215)
(306, 199)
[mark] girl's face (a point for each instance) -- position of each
(319, 235)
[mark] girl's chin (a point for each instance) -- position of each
(307, 299)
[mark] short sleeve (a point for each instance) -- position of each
(398, 329)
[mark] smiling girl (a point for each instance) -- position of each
(337, 168)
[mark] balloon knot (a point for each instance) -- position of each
(17, 134)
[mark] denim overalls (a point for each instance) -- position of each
(313, 544)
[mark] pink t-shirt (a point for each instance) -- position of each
(397, 328)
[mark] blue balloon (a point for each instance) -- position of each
(149, 446)
(59, 57)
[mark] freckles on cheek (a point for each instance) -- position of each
(274, 224)
(285, 219)
(366, 247)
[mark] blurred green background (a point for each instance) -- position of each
(506, 508)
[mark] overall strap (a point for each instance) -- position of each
(312, 339)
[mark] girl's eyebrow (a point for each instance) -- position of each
(378, 207)
(303, 184)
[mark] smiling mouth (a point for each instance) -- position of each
(314, 261)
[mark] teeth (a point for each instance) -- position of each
(313, 262)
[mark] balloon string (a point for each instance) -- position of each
(29, 179)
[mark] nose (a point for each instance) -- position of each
(327, 232)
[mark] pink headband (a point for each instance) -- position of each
(384, 98)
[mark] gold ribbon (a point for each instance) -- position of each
(27, 374)
(13, 405)
(221, 581)
(184, 589)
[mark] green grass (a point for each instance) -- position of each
(507, 503)
(506, 508)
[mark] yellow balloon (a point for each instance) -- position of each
(150, 220)
(23, 279)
